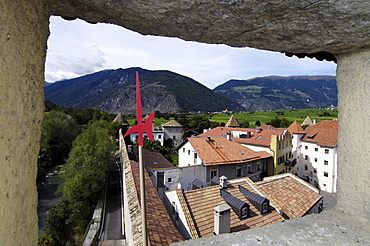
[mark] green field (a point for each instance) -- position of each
(298, 114)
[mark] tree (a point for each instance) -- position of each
(244, 124)
(285, 123)
(274, 122)
(83, 180)
(198, 123)
(258, 123)
(58, 133)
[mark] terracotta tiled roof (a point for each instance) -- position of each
(232, 122)
(172, 123)
(289, 193)
(119, 118)
(296, 128)
(219, 151)
(262, 138)
(189, 220)
(218, 131)
(152, 160)
(161, 230)
(307, 121)
(325, 134)
(201, 204)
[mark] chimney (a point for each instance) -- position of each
(221, 219)
(223, 182)
(228, 136)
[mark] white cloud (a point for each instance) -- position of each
(76, 48)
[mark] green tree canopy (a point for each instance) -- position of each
(58, 132)
(198, 123)
(83, 180)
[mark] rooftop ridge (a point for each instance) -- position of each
(188, 216)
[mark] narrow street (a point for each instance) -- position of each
(112, 231)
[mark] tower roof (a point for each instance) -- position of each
(307, 121)
(295, 128)
(119, 118)
(233, 122)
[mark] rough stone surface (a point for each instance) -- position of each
(353, 79)
(336, 26)
(329, 228)
(23, 34)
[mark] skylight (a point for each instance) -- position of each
(259, 137)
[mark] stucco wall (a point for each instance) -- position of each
(353, 79)
(23, 35)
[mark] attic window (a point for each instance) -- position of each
(259, 137)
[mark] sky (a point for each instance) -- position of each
(76, 48)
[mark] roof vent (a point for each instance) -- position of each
(221, 219)
(239, 207)
(258, 130)
(260, 202)
(223, 182)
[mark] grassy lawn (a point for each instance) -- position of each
(298, 114)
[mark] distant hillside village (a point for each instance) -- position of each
(229, 178)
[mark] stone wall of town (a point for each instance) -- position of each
(23, 35)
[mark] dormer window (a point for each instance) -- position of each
(245, 212)
(265, 207)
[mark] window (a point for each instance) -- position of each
(326, 163)
(306, 147)
(189, 152)
(183, 150)
(238, 172)
(279, 146)
(249, 169)
(316, 149)
(195, 158)
(244, 212)
(213, 173)
(169, 180)
(160, 179)
(326, 174)
(306, 157)
(174, 137)
(264, 207)
(315, 170)
(159, 136)
(315, 159)
(326, 151)
(258, 167)
(305, 167)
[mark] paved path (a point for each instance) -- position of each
(112, 243)
(112, 227)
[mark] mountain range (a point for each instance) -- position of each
(114, 91)
(276, 92)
